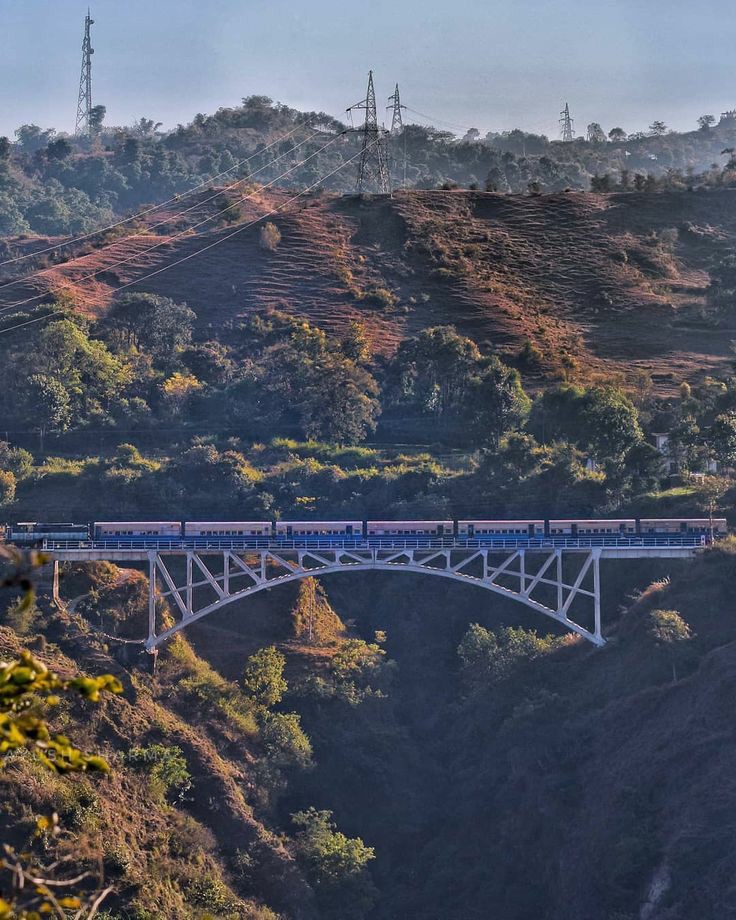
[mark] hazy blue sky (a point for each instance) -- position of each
(493, 65)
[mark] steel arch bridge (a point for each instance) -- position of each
(196, 583)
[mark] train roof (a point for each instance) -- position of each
(528, 521)
(388, 523)
(680, 520)
(316, 523)
(137, 523)
(225, 523)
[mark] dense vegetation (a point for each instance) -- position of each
(268, 419)
(53, 184)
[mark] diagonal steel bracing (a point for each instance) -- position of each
(533, 578)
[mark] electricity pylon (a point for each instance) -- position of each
(566, 125)
(373, 167)
(84, 125)
(397, 120)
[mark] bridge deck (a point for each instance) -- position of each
(139, 549)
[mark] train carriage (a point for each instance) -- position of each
(410, 528)
(110, 530)
(619, 527)
(290, 529)
(232, 529)
(686, 526)
(471, 529)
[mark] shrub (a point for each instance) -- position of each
(270, 237)
(264, 676)
(7, 487)
(284, 740)
(487, 657)
(336, 866)
(211, 893)
(381, 296)
(21, 616)
(166, 767)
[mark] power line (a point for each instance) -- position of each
(166, 220)
(193, 255)
(373, 167)
(438, 121)
(84, 123)
(186, 232)
(138, 215)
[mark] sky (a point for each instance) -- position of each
(466, 63)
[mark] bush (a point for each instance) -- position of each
(336, 866)
(284, 740)
(488, 658)
(166, 767)
(7, 487)
(264, 676)
(270, 237)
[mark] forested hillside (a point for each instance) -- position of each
(54, 184)
(377, 747)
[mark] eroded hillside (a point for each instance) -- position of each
(601, 284)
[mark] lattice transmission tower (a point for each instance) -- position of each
(84, 126)
(397, 119)
(373, 167)
(567, 127)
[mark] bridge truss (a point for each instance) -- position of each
(548, 581)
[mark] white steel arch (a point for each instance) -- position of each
(522, 575)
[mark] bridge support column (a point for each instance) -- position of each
(55, 583)
(597, 592)
(151, 597)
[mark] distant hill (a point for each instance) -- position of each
(52, 183)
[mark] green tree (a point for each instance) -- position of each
(16, 460)
(165, 766)
(263, 678)
(657, 129)
(706, 122)
(338, 401)
(497, 401)
(284, 740)
(96, 118)
(435, 369)
(723, 438)
(670, 633)
(336, 866)
(488, 658)
(7, 487)
(601, 420)
(356, 344)
(47, 404)
(155, 323)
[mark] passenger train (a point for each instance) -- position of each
(257, 532)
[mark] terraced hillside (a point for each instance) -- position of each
(605, 284)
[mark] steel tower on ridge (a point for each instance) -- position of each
(397, 119)
(566, 125)
(373, 167)
(83, 126)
